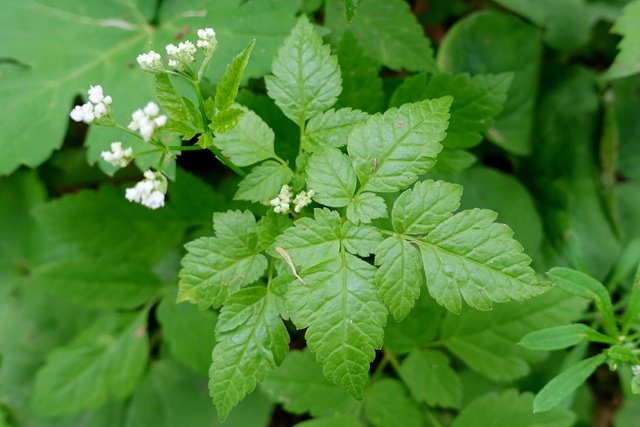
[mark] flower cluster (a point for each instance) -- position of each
(207, 42)
(282, 201)
(151, 62)
(150, 191)
(95, 109)
(147, 120)
(118, 156)
(182, 55)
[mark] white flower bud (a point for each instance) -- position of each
(95, 94)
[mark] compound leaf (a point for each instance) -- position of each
(360, 239)
(390, 151)
(365, 207)
(331, 128)
(306, 77)
(252, 340)
(330, 174)
(264, 181)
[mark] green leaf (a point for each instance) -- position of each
(361, 82)
(365, 207)
(421, 209)
(339, 306)
(306, 77)
(633, 306)
(470, 257)
(225, 121)
(387, 405)
(188, 332)
(581, 284)
(360, 239)
(216, 267)
(264, 182)
(332, 421)
(330, 174)
(270, 226)
(299, 385)
(98, 283)
(418, 329)
(194, 199)
(389, 151)
(560, 337)
(621, 354)
(388, 31)
(331, 128)
(350, 8)
(430, 378)
(399, 276)
(251, 141)
(510, 409)
(476, 101)
(485, 340)
(312, 241)
(494, 42)
(252, 341)
(227, 89)
(169, 99)
(627, 61)
(107, 360)
(564, 384)
(450, 160)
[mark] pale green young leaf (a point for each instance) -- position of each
(627, 61)
(270, 226)
(390, 151)
(107, 360)
(226, 120)
(510, 409)
(387, 405)
(585, 286)
(187, 331)
(621, 354)
(330, 174)
(251, 141)
(360, 239)
(560, 337)
(431, 379)
(97, 283)
(169, 99)
(421, 209)
(339, 307)
(264, 182)
(350, 8)
(306, 77)
(564, 384)
(470, 257)
(365, 207)
(476, 101)
(252, 340)
(215, 267)
(388, 31)
(399, 276)
(484, 340)
(227, 89)
(299, 385)
(331, 128)
(311, 241)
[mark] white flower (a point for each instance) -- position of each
(118, 156)
(207, 42)
(182, 54)
(150, 191)
(151, 109)
(95, 109)
(100, 110)
(151, 62)
(302, 200)
(95, 94)
(282, 201)
(83, 113)
(147, 120)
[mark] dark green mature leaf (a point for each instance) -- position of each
(188, 331)
(564, 384)
(252, 341)
(98, 283)
(340, 307)
(421, 209)
(560, 337)
(476, 101)
(388, 31)
(418, 329)
(628, 60)
(389, 151)
(484, 340)
(350, 8)
(227, 89)
(194, 199)
(625, 107)
(331, 175)
(387, 405)
(399, 276)
(452, 160)
(306, 77)
(251, 141)
(366, 206)
(431, 379)
(470, 257)
(510, 409)
(107, 360)
(169, 99)
(264, 181)
(299, 385)
(493, 42)
(216, 267)
(331, 128)
(332, 421)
